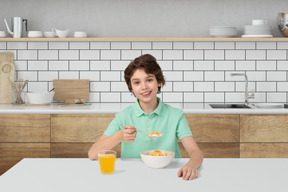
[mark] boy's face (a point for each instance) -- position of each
(144, 86)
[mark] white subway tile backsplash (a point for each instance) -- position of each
(255, 54)
(214, 54)
(91, 75)
(37, 45)
(37, 65)
(68, 74)
(173, 97)
(234, 55)
(193, 75)
(110, 75)
(161, 45)
(119, 86)
(276, 54)
(48, 55)
(141, 45)
(183, 65)
(276, 76)
(89, 54)
(193, 54)
(20, 65)
(224, 45)
(47, 75)
(214, 97)
(182, 86)
(79, 65)
(214, 76)
(276, 97)
(120, 45)
(203, 65)
(100, 45)
(193, 97)
(27, 54)
(203, 86)
(182, 45)
(58, 65)
(58, 45)
(224, 65)
(100, 65)
(245, 65)
(266, 65)
(266, 86)
(172, 55)
(27, 75)
(110, 55)
(68, 54)
(79, 45)
(110, 97)
(194, 71)
(265, 45)
(203, 45)
(245, 45)
(130, 54)
(100, 86)
(16, 45)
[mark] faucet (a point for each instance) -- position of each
(248, 94)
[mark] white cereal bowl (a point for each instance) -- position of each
(40, 97)
(157, 162)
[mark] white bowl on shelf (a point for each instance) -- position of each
(223, 31)
(40, 97)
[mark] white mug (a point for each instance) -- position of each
(61, 33)
(2, 34)
(259, 22)
(80, 34)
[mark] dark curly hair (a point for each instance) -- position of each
(149, 64)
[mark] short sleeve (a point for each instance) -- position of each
(183, 129)
(113, 127)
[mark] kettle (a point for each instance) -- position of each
(17, 27)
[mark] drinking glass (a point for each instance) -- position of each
(107, 159)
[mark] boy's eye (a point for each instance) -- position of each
(136, 82)
(150, 79)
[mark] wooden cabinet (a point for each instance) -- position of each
(263, 136)
(23, 136)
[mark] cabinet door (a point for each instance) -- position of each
(12, 153)
(24, 128)
(264, 128)
(79, 127)
(264, 150)
(214, 127)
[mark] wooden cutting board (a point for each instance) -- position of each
(71, 89)
(7, 73)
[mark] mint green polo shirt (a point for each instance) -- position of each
(165, 119)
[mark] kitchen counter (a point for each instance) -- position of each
(110, 108)
(71, 175)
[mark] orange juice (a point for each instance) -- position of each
(107, 162)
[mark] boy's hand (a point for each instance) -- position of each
(188, 172)
(129, 133)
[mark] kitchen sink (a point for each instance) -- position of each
(230, 106)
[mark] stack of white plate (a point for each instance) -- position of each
(223, 31)
(257, 30)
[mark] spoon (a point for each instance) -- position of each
(152, 136)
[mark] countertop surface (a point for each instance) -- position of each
(73, 175)
(112, 108)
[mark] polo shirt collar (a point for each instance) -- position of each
(138, 111)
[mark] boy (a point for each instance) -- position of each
(144, 79)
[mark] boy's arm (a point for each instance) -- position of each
(104, 143)
(196, 155)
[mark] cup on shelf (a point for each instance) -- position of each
(259, 22)
(35, 34)
(61, 33)
(80, 34)
(2, 34)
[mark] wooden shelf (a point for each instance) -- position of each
(145, 39)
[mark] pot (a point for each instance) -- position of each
(40, 98)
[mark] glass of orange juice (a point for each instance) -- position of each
(107, 159)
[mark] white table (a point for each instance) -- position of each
(83, 175)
